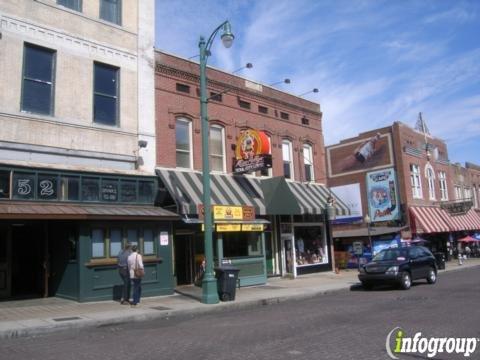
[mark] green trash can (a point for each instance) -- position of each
(227, 277)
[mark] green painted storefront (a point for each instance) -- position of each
(65, 242)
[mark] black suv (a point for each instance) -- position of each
(399, 266)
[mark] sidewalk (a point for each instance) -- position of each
(40, 316)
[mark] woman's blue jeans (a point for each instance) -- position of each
(137, 290)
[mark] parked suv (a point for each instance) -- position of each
(399, 266)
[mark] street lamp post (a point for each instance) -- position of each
(330, 215)
(368, 221)
(209, 285)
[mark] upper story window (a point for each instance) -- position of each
(217, 148)
(71, 4)
(183, 88)
(287, 156)
(216, 97)
(308, 162)
(284, 115)
(38, 80)
(305, 121)
(111, 10)
(415, 181)
(244, 104)
(105, 94)
(262, 109)
(458, 192)
(442, 180)
(183, 136)
(430, 175)
(475, 197)
(468, 193)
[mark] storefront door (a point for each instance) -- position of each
(28, 260)
(289, 255)
(184, 259)
(5, 257)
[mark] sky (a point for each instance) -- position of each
(373, 62)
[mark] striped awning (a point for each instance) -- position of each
(186, 189)
(312, 198)
(428, 219)
(431, 219)
(462, 222)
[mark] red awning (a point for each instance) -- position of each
(428, 219)
(464, 222)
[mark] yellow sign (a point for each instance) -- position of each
(227, 212)
(252, 227)
(229, 227)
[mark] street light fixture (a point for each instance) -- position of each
(330, 215)
(284, 81)
(209, 285)
(314, 90)
(368, 221)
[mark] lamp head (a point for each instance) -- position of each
(227, 36)
(286, 81)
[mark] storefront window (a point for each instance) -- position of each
(90, 189)
(145, 191)
(115, 242)
(23, 186)
(310, 246)
(4, 184)
(98, 243)
(128, 191)
(148, 242)
(109, 190)
(241, 244)
(70, 188)
(132, 236)
(47, 187)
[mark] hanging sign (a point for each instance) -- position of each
(252, 227)
(252, 152)
(228, 212)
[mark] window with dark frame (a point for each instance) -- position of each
(216, 97)
(262, 109)
(38, 80)
(111, 11)
(284, 115)
(305, 121)
(71, 4)
(244, 104)
(183, 88)
(4, 184)
(105, 94)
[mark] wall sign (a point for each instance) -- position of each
(163, 238)
(382, 195)
(227, 212)
(252, 152)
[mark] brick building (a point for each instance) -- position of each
(288, 199)
(402, 179)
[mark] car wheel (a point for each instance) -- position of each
(406, 281)
(367, 285)
(432, 276)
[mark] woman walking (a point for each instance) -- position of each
(135, 265)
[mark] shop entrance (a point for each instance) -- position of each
(184, 258)
(23, 250)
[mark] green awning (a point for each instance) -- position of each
(278, 198)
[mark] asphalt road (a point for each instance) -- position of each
(348, 324)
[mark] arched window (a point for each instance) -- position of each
(217, 148)
(430, 175)
(183, 139)
(287, 156)
(308, 162)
